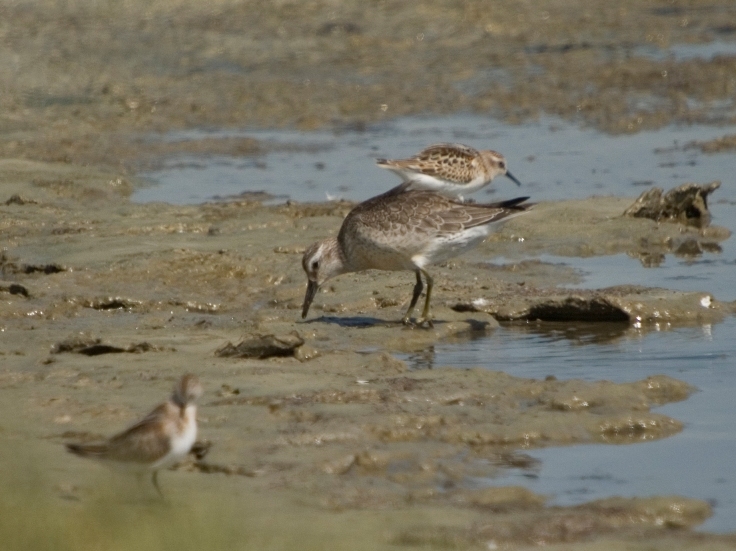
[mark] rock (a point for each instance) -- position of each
(341, 465)
(7, 266)
(16, 199)
(686, 204)
(95, 347)
(200, 449)
(111, 303)
(305, 353)
(624, 303)
(262, 346)
(573, 308)
(15, 289)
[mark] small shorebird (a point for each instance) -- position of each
(161, 439)
(451, 169)
(403, 230)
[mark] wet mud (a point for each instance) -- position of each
(103, 77)
(319, 411)
(314, 427)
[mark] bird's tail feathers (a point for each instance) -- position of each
(87, 450)
(512, 203)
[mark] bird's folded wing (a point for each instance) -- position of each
(146, 441)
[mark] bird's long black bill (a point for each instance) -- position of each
(513, 178)
(312, 287)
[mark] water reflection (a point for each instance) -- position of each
(469, 350)
(577, 334)
(424, 359)
(702, 356)
(589, 351)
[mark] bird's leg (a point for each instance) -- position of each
(406, 320)
(155, 484)
(426, 319)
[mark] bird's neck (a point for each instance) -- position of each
(334, 260)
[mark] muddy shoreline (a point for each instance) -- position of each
(101, 79)
(104, 303)
(107, 302)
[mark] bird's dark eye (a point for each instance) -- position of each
(502, 164)
(315, 265)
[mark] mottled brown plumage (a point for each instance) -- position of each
(403, 229)
(449, 168)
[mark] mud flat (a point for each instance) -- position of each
(87, 83)
(332, 442)
(105, 302)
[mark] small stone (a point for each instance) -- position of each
(305, 353)
(339, 466)
(262, 346)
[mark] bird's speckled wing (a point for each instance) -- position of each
(403, 222)
(442, 151)
(399, 211)
(446, 161)
(456, 217)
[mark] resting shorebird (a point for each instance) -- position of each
(161, 439)
(451, 169)
(403, 230)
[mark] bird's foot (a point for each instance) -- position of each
(425, 322)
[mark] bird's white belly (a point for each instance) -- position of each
(447, 188)
(444, 247)
(182, 443)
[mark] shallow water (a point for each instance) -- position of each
(685, 52)
(554, 161)
(695, 463)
